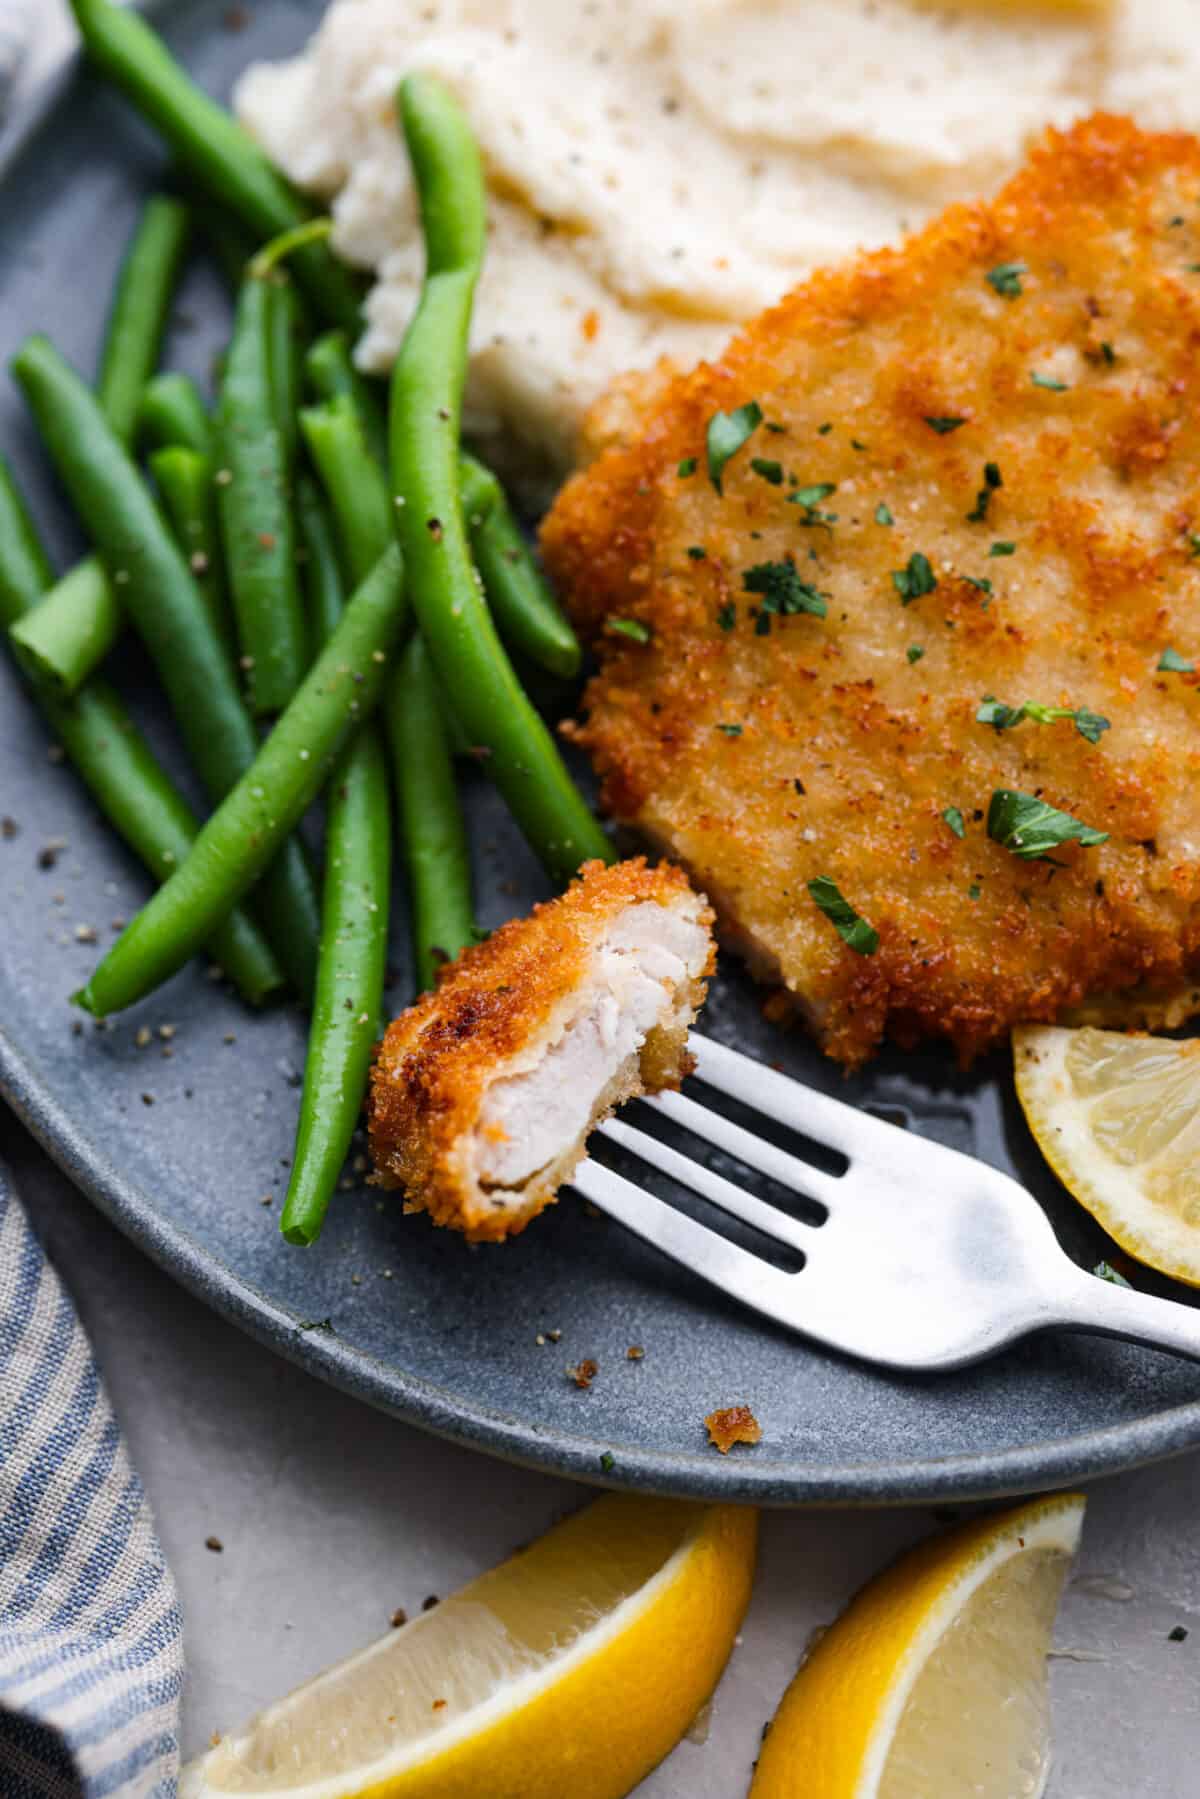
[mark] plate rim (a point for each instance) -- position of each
(697, 1474)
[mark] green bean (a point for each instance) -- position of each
(331, 371)
(527, 614)
(420, 724)
(253, 820)
(138, 318)
(427, 385)
(184, 481)
(355, 904)
(349, 988)
(211, 147)
(114, 760)
(353, 480)
(70, 631)
(286, 334)
(322, 573)
(431, 822)
(254, 504)
(158, 593)
(173, 414)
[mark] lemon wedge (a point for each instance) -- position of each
(1118, 1120)
(571, 1669)
(932, 1685)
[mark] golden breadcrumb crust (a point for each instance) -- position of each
(836, 746)
(437, 1059)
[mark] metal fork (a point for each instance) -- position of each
(925, 1259)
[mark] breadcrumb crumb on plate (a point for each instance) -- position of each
(734, 1424)
(484, 1092)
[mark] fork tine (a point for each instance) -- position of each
(735, 1271)
(789, 1170)
(802, 1108)
(711, 1186)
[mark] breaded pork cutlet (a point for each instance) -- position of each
(975, 485)
(483, 1093)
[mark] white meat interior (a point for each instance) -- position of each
(639, 979)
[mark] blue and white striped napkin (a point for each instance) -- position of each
(91, 1648)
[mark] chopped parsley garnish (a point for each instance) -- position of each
(1194, 545)
(686, 467)
(1171, 662)
(813, 494)
(810, 498)
(983, 499)
(883, 515)
(1048, 382)
(1030, 828)
(981, 584)
(608, 1461)
(726, 433)
(768, 470)
(994, 712)
(727, 616)
(824, 430)
(770, 425)
(857, 444)
(914, 579)
(1108, 353)
(1106, 1272)
(783, 592)
(861, 936)
(628, 627)
(730, 730)
(1006, 279)
(943, 425)
(974, 890)
(915, 651)
(1003, 549)
(955, 820)
(697, 552)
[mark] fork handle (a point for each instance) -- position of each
(1090, 1304)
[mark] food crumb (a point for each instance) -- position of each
(215, 1544)
(8, 827)
(427, 1605)
(439, 1705)
(584, 1373)
(635, 1353)
(267, 1199)
(86, 933)
(147, 1099)
(554, 1336)
(141, 1036)
(399, 1617)
(540, 1340)
(1178, 1634)
(733, 1424)
(50, 851)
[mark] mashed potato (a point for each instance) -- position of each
(658, 174)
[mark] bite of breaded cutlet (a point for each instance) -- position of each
(975, 484)
(483, 1093)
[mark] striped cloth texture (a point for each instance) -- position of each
(91, 1640)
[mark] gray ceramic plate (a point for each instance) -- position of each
(180, 1150)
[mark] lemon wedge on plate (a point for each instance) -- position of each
(571, 1669)
(932, 1685)
(1118, 1120)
